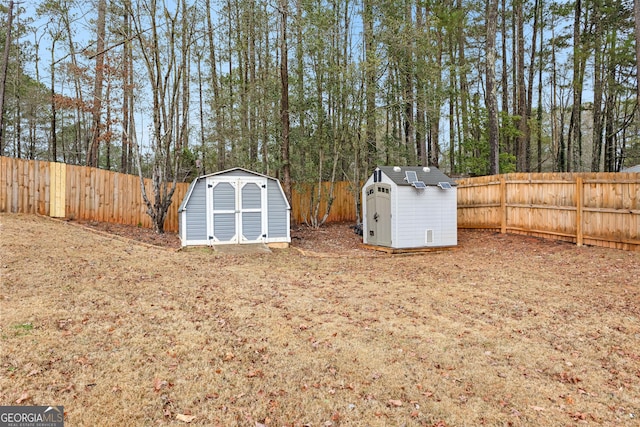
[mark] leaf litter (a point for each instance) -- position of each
(330, 333)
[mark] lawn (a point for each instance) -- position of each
(503, 330)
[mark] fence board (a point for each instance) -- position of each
(58, 190)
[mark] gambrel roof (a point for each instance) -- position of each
(226, 172)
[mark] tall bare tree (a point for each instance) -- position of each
(284, 99)
(492, 101)
(523, 153)
(218, 123)
(127, 91)
(370, 72)
(96, 108)
(167, 71)
(636, 32)
(3, 72)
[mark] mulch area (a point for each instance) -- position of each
(331, 238)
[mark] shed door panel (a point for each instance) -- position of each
(383, 207)
(251, 215)
(224, 212)
(379, 215)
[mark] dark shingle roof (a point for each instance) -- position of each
(433, 177)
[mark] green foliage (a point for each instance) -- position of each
(423, 58)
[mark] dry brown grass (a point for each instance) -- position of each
(505, 330)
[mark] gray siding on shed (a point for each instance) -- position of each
(278, 211)
(234, 206)
(196, 209)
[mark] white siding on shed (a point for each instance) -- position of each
(425, 217)
(422, 210)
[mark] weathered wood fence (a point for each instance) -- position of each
(600, 209)
(80, 192)
(586, 208)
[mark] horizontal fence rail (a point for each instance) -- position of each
(600, 209)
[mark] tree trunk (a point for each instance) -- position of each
(462, 66)
(218, 123)
(636, 15)
(408, 75)
(540, 71)
(53, 142)
(201, 120)
(81, 137)
(370, 69)
(127, 92)
(506, 119)
(284, 100)
(596, 155)
(492, 102)
(92, 155)
(532, 68)
(3, 72)
(574, 140)
(108, 121)
(421, 83)
(436, 104)
(523, 158)
(610, 139)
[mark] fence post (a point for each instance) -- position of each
(503, 204)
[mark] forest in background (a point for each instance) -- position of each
(320, 90)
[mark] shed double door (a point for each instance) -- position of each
(238, 210)
(379, 214)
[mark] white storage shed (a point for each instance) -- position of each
(234, 206)
(409, 207)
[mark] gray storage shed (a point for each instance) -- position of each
(234, 206)
(409, 207)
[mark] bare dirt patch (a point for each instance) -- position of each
(504, 330)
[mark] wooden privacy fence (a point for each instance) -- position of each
(80, 192)
(600, 209)
(343, 208)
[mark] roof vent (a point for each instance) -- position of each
(397, 168)
(426, 169)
